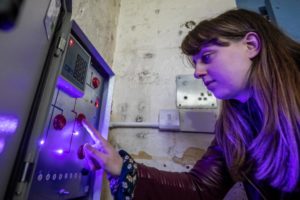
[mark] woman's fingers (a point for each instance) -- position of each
(95, 135)
(91, 163)
(94, 155)
(101, 154)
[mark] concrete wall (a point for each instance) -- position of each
(99, 19)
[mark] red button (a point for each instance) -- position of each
(59, 122)
(95, 82)
(80, 117)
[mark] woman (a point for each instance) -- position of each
(255, 69)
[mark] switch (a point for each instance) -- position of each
(59, 122)
(80, 152)
(169, 120)
(85, 171)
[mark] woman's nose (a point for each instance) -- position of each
(200, 71)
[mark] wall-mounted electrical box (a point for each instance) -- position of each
(198, 107)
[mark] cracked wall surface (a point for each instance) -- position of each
(98, 19)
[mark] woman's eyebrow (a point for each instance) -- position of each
(202, 51)
(208, 45)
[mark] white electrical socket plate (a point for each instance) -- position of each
(169, 120)
(192, 93)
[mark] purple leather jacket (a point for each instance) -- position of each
(209, 179)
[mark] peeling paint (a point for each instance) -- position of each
(189, 157)
(139, 118)
(99, 20)
(82, 6)
(148, 55)
(114, 143)
(142, 135)
(144, 73)
(81, 10)
(122, 110)
(141, 107)
(142, 155)
(190, 24)
(145, 77)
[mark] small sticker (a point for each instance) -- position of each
(51, 17)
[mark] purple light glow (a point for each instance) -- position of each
(59, 151)
(67, 131)
(8, 124)
(68, 88)
(2, 144)
(87, 128)
(76, 133)
(42, 142)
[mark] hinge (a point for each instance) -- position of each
(61, 46)
(27, 171)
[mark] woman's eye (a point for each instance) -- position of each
(206, 58)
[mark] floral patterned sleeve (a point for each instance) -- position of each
(122, 186)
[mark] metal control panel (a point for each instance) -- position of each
(74, 71)
(60, 173)
(81, 91)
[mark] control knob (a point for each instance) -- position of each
(59, 122)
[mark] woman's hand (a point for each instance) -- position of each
(101, 154)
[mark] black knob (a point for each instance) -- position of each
(85, 171)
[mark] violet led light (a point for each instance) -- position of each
(8, 124)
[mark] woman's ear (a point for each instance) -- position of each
(253, 44)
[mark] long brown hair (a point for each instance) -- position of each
(263, 138)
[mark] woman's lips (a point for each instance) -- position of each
(207, 83)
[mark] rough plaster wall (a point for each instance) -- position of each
(146, 62)
(99, 19)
